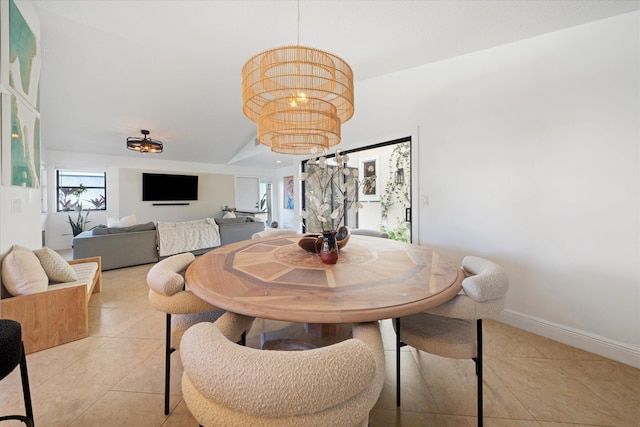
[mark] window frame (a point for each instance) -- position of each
(59, 192)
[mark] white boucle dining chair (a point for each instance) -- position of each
(369, 232)
(167, 294)
(454, 329)
(225, 384)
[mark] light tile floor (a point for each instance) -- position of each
(115, 377)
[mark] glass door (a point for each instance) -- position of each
(385, 200)
(395, 201)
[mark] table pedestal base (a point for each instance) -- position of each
(298, 336)
(321, 330)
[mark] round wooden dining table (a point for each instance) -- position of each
(273, 278)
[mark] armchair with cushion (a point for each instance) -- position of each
(454, 329)
(48, 295)
(226, 384)
(183, 309)
(12, 355)
(369, 232)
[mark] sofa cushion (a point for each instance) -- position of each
(57, 269)
(100, 230)
(22, 273)
(86, 272)
(239, 219)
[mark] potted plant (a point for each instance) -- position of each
(78, 225)
(76, 192)
(98, 202)
(66, 203)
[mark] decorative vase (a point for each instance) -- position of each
(328, 247)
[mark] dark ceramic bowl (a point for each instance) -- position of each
(308, 241)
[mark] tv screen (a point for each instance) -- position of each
(163, 188)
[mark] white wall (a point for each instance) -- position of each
(20, 218)
(287, 218)
(20, 208)
(214, 192)
(124, 186)
(529, 156)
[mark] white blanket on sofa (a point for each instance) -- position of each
(178, 237)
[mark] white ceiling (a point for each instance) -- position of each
(111, 68)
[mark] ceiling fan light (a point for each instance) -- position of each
(144, 144)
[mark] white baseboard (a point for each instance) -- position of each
(605, 347)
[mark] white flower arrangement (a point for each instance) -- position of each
(333, 190)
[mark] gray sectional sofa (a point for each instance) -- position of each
(236, 229)
(118, 246)
(128, 246)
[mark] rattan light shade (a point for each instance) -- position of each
(296, 130)
(299, 96)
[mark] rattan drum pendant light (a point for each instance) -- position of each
(298, 96)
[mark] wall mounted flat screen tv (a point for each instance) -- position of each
(157, 187)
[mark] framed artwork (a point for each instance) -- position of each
(20, 64)
(25, 58)
(288, 192)
(20, 143)
(370, 190)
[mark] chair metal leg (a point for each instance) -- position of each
(28, 422)
(479, 370)
(26, 391)
(167, 364)
(398, 345)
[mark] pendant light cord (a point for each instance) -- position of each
(298, 22)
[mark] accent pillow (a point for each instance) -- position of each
(229, 215)
(56, 268)
(22, 273)
(125, 221)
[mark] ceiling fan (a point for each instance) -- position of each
(144, 144)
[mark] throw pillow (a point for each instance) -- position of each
(112, 221)
(229, 215)
(127, 221)
(22, 273)
(56, 268)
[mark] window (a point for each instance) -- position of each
(84, 189)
